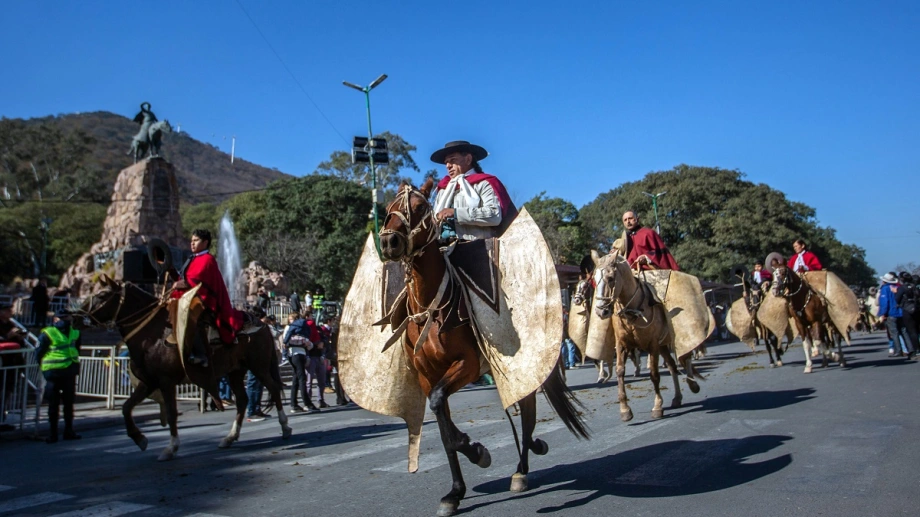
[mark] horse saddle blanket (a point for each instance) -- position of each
(188, 311)
(842, 305)
(740, 322)
(683, 298)
(512, 297)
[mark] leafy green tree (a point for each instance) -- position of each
(558, 220)
(49, 202)
(389, 176)
(321, 219)
(712, 219)
(202, 215)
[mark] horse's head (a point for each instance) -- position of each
(583, 292)
(606, 276)
(781, 280)
(410, 225)
(162, 126)
(102, 307)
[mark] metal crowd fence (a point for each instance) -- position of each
(21, 385)
(105, 375)
(22, 307)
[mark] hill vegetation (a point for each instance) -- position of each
(57, 173)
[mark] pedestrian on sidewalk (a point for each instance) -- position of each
(297, 339)
(59, 355)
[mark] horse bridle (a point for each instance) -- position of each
(428, 222)
(114, 322)
(784, 289)
(611, 300)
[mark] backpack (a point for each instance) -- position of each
(909, 299)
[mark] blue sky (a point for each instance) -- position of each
(817, 99)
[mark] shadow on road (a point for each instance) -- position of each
(666, 469)
(749, 401)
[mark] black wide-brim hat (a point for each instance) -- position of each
(459, 146)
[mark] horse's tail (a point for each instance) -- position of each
(565, 403)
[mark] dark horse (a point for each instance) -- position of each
(809, 312)
(141, 318)
(449, 359)
(753, 298)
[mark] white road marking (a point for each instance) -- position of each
(29, 501)
(374, 446)
(5, 487)
(435, 460)
(197, 441)
(113, 509)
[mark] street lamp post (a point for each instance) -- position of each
(366, 90)
(655, 208)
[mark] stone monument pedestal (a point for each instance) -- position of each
(145, 205)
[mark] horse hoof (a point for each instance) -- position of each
(657, 413)
(694, 387)
(166, 456)
(142, 443)
(807, 369)
(519, 482)
(779, 363)
(225, 443)
(485, 459)
(448, 508)
(539, 447)
(676, 403)
(286, 432)
(626, 416)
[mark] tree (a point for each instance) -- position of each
(202, 215)
(389, 178)
(50, 199)
(713, 219)
(323, 218)
(558, 220)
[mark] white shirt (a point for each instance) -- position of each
(476, 207)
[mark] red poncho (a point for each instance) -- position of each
(213, 293)
(646, 242)
(810, 259)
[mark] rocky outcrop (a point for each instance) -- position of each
(145, 204)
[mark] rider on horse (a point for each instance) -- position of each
(471, 203)
(803, 260)
(642, 246)
(221, 318)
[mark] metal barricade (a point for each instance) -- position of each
(21, 377)
(107, 376)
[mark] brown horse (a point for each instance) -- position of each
(449, 357)
(809, 312)
(141, 318)
(638, 323)
(753, 297)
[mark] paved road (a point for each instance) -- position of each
(755, 441)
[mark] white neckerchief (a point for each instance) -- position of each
(450, 191)
(757, 277)
(799, 261)
(200, 253)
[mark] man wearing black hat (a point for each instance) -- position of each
(475, 202)
(59, 355)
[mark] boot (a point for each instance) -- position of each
(52, 435)
(199, 355)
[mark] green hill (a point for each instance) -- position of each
(205, 172)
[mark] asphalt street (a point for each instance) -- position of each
(756, 441)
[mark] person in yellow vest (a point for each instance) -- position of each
(318, 300)
(59, 355)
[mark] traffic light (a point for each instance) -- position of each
(363, 148)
